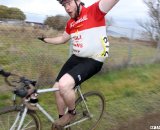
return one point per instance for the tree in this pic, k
(15, 13)
(11, 13)
(152, 27)
(3, 11)
(57, 22)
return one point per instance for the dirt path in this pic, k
(148, 122)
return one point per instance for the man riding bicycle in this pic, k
(87, 31)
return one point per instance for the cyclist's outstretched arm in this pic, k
(107, 5)
(58, 40)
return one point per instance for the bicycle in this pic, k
(90, 107)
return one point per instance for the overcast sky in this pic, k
(38, 10)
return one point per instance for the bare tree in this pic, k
(152, 26)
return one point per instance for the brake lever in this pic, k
(27, 81)
(16, 81)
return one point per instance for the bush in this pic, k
(57, 22)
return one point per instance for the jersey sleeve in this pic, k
(96, 12)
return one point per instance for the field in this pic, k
(129, 79)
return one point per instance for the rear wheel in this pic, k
(96, 105)
(8, 116)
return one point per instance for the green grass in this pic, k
(130, 93)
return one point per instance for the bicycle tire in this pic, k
(8, 116)
(96, 105)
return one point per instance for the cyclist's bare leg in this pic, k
(66, 85)
(59, 101)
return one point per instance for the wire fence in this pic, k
(130, 33)
(135, 44)
(22, 52)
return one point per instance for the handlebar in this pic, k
(27, 86)
(20, 79)
(27, 81)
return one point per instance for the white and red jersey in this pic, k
(88, 33)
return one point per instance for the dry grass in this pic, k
(21, 51)
(125, 52)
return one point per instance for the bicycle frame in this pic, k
(21, 115)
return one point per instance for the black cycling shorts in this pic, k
(80, 68)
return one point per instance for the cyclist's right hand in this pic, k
(42, 38)
(4, 73)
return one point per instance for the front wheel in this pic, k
(96, 104)
(9, 114)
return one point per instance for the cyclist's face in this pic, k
(70, 7)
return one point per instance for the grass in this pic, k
(130, 93)
(125, 52)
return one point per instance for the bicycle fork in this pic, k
(19, 119)
(84, 101)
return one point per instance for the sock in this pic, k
(60, 116)
(72, 112)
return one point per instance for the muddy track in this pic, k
(148, 122)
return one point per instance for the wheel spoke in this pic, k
(95, 103)
(25, 127)
(8, 116)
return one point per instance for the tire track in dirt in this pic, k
(147, 122)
